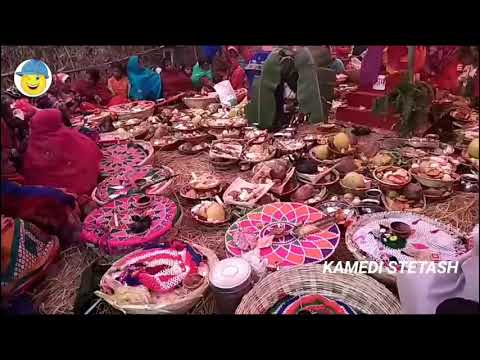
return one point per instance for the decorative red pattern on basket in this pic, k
(100, 228)
(288, 250)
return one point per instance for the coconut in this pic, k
(341, 141)
(215, 212)
(473, 149)
(354, 180)
(321, 152)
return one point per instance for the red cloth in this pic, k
(24, 105)
(175, 82)
(447, 79)
(118, 100)
(397, 58)
(60, 157)
(88, 91)
(238, 77)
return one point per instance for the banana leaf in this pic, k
(262, 109)
(308, 87)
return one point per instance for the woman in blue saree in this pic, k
(145, 84)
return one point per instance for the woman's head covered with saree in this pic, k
(145, 84)
(60, 157)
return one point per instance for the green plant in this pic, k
(411, 101)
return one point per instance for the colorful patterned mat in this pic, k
(100, 227)
(287, 250)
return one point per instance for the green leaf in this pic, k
(308, 88)
(262, 107)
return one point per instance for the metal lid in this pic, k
(229, 273)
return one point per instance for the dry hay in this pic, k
(460, 211)
(58, 292)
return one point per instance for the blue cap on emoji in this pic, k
(34, 67)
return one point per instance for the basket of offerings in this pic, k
(327, 129)
(191, 149)
(312, 290)
(165, 143)
(146, 178)
(355, 183)
(340, 209)
(258, 152)
(340, 145)
(322, 155)
(136, 109)
(410, 198)
(223, 123)
(194, 137)
(211, 213)
(202, 187)
(435, 171)
(278, 172)
(118, 135)
(245, 194)
(309, 195)
(95, 120)
(226, 149)
(221, 163)
(199, 101)
(254, 135)
(225, 133)
(136, 284)
(287, 234)
(185, 126)
(392, 237)
(391, 177)
(465, 115)
(316, 175)
(288, 146)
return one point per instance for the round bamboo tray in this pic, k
(199, 102)
(363, 293)
(124, 115)
(179, 306)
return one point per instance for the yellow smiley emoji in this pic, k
(33, 77)
(33, 85)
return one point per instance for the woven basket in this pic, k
(181, 306)
(359, 291)
(362, 256)
(199, 102)
(124, 115)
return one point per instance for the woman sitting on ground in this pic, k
(60, 157)
(202, 76)
(237, 75)
(174, 81)
(91, 93)
(118, 85)
(145, 84)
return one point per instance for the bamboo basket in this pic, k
(361, 292)
(124, 115)
(180, 306)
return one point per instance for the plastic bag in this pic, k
(226, 93)
(259, 265)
